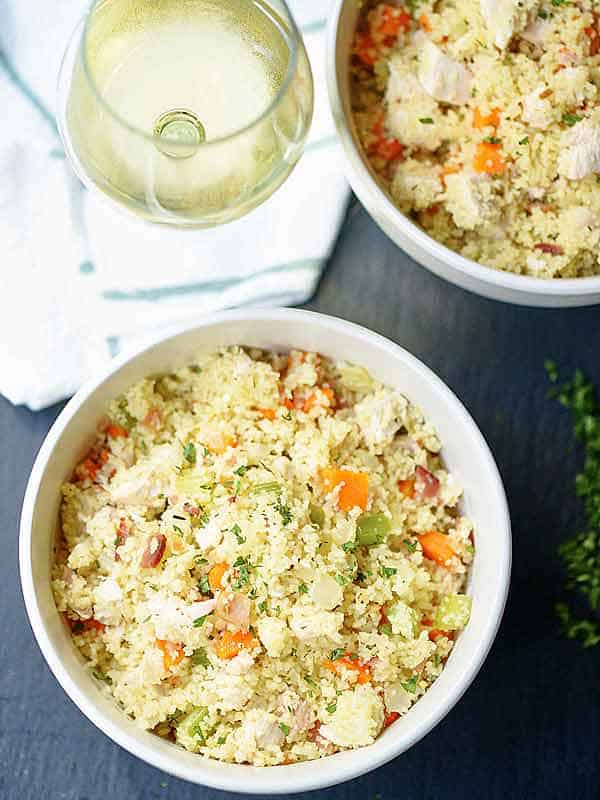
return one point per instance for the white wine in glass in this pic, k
(186, 112)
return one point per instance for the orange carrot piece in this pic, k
(393, 20)
(424, 23)
(407, 487)
(267, 413)
(436, 547)
(230, 644)
(215, 576)
(365, 49)
(483, 120)
(488, 158)
(172, 653)
(116, 431)
(346, 662)
(355, 489)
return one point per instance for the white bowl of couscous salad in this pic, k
(471, 130)
(265, 554)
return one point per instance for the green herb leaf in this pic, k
(189, 453)
(241, 471)
(262, 606)
(337, 653)
(341, 579)
(426, 120)
(303, 588)
(411, 684)
(411, 545)
(525, 140)
(199, 622)
(204, 585)
(199, 658)
(284, 511)
(387, 572)
(236, 530)
(331, 708)
(571, 119)
(285, 728)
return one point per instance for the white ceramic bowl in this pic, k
(465, 453)
(519, 289)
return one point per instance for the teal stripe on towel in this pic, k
(17, 81)
(208, 287)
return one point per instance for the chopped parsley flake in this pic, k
(571, 119)
(189, 453)
(341, 579)
(303, 588)
(199, 657)
(284, 728)
(426, 121)
(411, 545)
(524, 140)
(337, 653)
(262, 606)
(410, 685)
(285, 511)
(387, 572)
(331, 708)
(237, 532)
(199, 622)
(204, 585)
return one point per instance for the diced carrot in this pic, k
(365, 49)
(218, 442)
(436, 547)
(215, 576)
(484, 120)
(172, 653)
(391, 20)
(330, 395)
(230, 644)
(267, 413)
(346, 662)
(355, 488)
(488, 159)
(424, 23)
(91, 467)
(116, 431)
(388, 149)
(390, 717)
(309, 402)
(407, 487)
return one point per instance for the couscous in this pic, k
(482, 119)
(262, 557)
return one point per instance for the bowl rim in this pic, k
(551, 287)
(277, 779)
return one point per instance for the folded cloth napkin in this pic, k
(82, 280)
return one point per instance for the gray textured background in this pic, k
(529, 725)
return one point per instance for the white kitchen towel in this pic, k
(81, 280)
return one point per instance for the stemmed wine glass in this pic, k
(186, 112)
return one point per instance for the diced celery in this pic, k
(453, 612)
(267, 486)
(372, 529)
(356, 378)
(191, 730)
(317, 515)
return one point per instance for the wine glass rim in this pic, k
(295, 39)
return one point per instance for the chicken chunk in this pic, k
(580, 151)
(504, 18)
(441, 77)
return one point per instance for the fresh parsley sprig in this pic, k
(580, 555)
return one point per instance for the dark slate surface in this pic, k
(529, 726)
